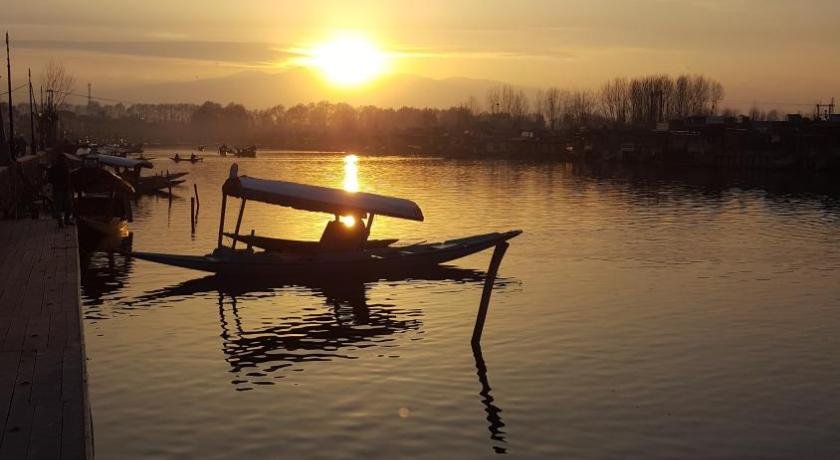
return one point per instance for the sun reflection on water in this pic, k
(351, 183)
(351, 173)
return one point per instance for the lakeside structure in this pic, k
(796, 143)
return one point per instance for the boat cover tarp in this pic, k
(89, 179)
(321, 199)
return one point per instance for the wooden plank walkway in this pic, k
(44, 411)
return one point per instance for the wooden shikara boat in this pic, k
(337, 253)
(130, 170)
(101, 200)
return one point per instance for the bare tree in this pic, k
(615, 100)
(57, 80)
(472, 105)
(494, 100)
(581, 107)
(551, 107)
(513, 101)
(716, 95)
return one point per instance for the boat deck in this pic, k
(44, 410)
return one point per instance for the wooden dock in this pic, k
(44, 411)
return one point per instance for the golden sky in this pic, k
(772, 52)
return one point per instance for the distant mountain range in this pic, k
(258, 90)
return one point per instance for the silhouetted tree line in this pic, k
(621, 102)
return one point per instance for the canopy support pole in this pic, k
(238, 224)
(369, 225)
(222, 219)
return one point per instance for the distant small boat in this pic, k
(342, 250)
(248, 152)
(191, 159)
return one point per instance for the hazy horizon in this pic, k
(771, 54)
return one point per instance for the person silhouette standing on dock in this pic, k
(59, 177)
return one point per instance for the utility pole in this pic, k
(12, 168)
(89, 101)
(827, 112)
(11, 114)
(2, 136)
(33, 144)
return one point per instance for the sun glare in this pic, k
(348, 60)
(351, 183)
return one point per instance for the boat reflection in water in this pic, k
(105, 269)
(350, 322)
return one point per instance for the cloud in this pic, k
(246, 53)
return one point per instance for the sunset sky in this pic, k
(771, 52)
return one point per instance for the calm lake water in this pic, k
(637, 316)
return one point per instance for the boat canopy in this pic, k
(94, 180)
(120, 162)
(320, 199)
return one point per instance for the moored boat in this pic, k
(247, 152)
(130, 169)
(342, 249)
(101, 201)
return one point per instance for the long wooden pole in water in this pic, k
(238, 224)
(495, 262)
(222, 219)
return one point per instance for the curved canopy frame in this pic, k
(320, 199)
(311, 198)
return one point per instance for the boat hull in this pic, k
(117, 227)
(296, 246)
(380, 261)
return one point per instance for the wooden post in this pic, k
(251, 240)
(222, 219)
(498, 254)
(192, 215)
(197, 203)
(238, 224)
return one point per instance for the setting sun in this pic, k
(348, 60)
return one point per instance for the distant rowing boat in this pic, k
(191, 159)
